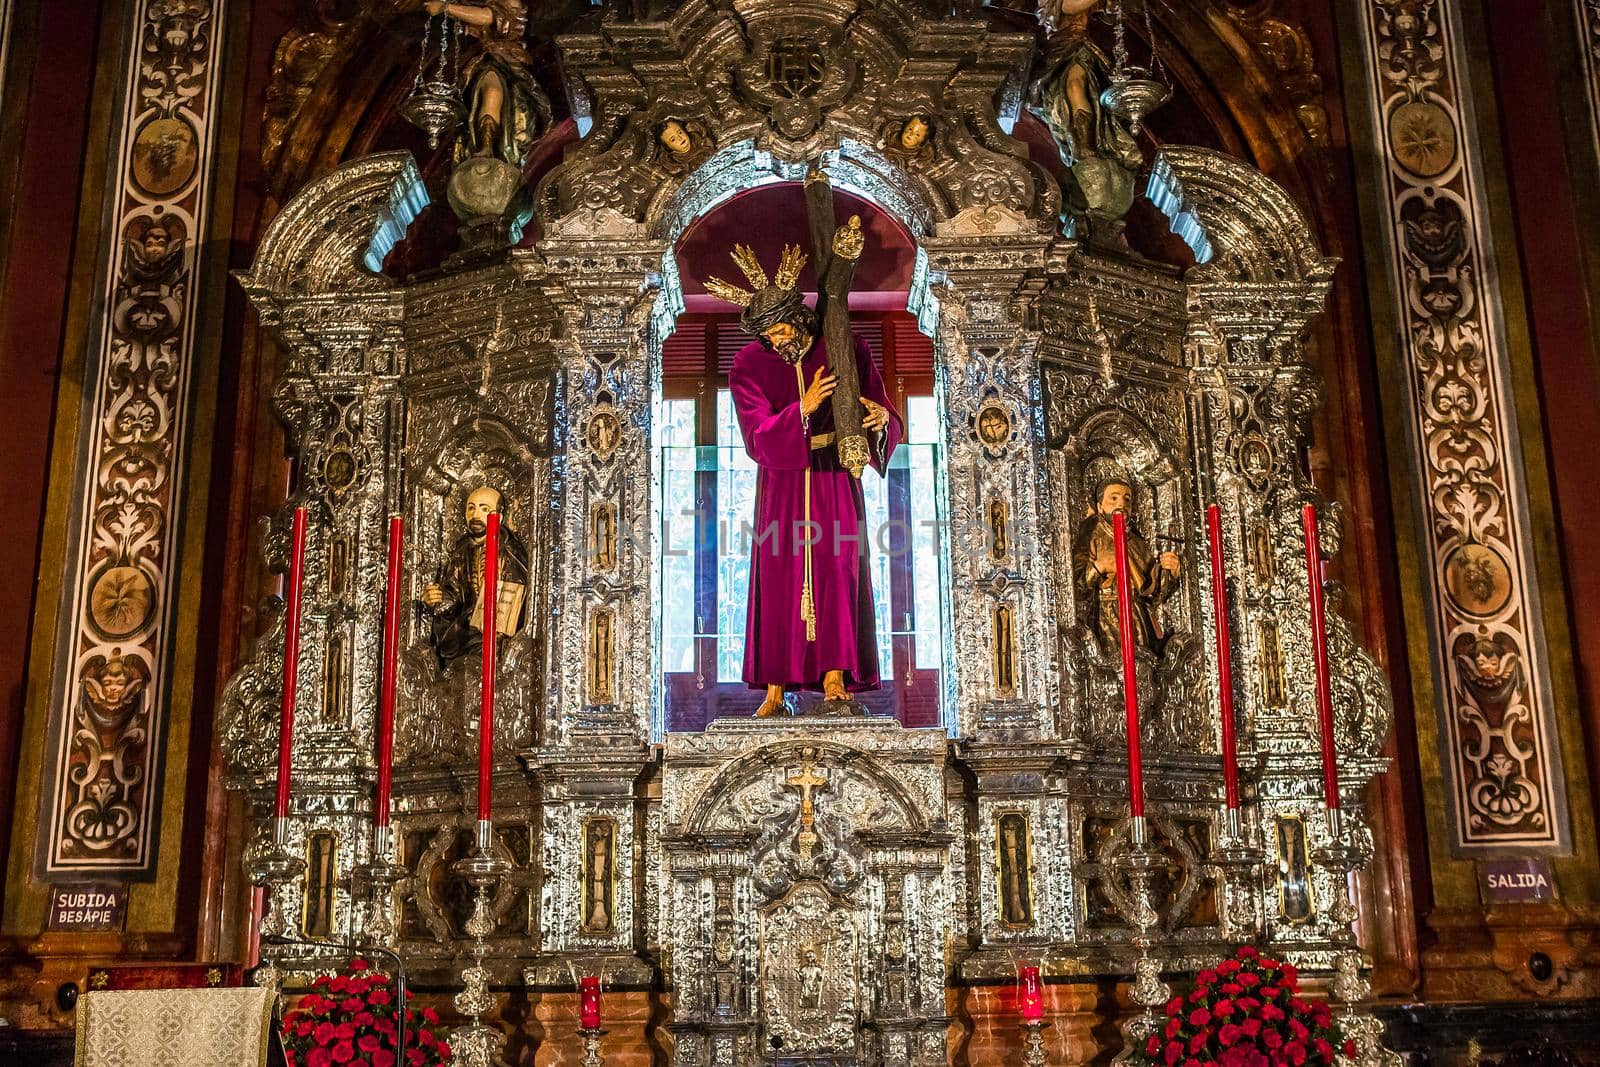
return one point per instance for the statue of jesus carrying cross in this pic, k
(813, 413)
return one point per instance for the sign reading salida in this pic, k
(1516, 880)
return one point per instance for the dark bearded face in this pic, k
(1115, 499)
(773, 309)
(790, 340)
(481, 503)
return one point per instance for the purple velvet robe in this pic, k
(776, 651)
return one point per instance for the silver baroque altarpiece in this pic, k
(806, 889)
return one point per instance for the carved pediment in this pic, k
(793, 82)
(756, 788)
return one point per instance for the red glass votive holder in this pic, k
(1030, 995)
(589, 1002)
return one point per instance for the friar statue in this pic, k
(1152, 578)
(810, 622)
(452, 601)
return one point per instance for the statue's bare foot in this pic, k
(833, 686)
(773, 705)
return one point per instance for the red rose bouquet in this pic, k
(1246, 1012)
(351, 1018)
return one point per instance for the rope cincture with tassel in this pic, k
(808, 604)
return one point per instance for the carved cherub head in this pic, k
(114, 678)
(907, 139)
(1486, 656)
(113, 685)
(675, 138)
(154, 250)
(914, 134)
(680, 144)
(154, 242)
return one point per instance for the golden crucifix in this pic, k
(807, 780)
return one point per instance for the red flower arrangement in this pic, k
(350, 1018)
(1246, 1012)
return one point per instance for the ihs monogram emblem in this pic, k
(795, 67)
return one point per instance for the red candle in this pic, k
(491, 633)
(1130, 679)
(291, 659)
(391, 659)
(1219, 602)
(589, 1002)
(1319, 649)
(1031, 995)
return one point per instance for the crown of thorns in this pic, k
(788, 274)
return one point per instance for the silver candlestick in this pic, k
(591, 1046)
(1238, 859)
(271, 866)
(1142, 862)
(477, 1044)
(1343, 857)
(377, 879)
(1234, 849)
(1033, 1042)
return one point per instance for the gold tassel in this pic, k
(808, 604)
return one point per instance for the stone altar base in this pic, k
(983, 1030)
(984, 1027)
(635, 1024)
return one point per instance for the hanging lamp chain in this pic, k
(1119, 51)
(1158, 69)
(422, 59)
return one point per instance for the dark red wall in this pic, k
(47, 101)
(1533, 81)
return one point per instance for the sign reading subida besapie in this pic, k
(87, 907)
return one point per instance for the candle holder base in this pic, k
(376, 881)
(481, 869)
(478, 1044)
(1240, 863)
(270, 865)
(267, 976)
(1033, 1043)
(1338, 855)
(591, 1046)
(1149, 992)
(1350, 989)
(1234, 854)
